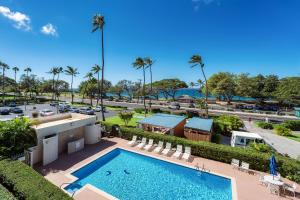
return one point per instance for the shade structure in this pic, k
(273, 165)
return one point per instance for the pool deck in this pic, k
(245, 186)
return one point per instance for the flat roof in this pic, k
(200, 124)
(61, 119)
(246, 134)
(163, 120)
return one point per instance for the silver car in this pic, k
(46, 112)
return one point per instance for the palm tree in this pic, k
(98, 23)
(59, 70)
(149, 64)
(4, 67)
(53, 71)
(71, 71)
(16, 69)
(27, 70)
(197, 60)
(96, 70)
(89, 76)
(140, 64)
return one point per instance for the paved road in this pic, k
(282, 144)
(243, 115)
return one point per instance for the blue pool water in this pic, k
(128, 175)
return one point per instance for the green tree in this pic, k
(96, 70)
(125, 116)
(149, 62)
(54, 72)
(4, 67)
(98, 24)
(73, 72)
(196, 60)
(16, 69)
(140, 64)
(288, 90)
(243, 85)
(223, 84)
(27, 70)
(169, 87)
(59, 70)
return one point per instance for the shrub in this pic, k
(282, 130)
(294, 125)
(139, 110)
(15, 136)
(155, 110)
(35, 114)
(260, 147)
(25, 183)
(265, 125)
(216, 138)
(165, 111)
(191, 113)
(224, 124)
(125, 116)
(178, 112)
(287, 167)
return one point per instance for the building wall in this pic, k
(179, 129)
(197, 135)
(69, 136)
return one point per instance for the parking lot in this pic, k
(27, 111)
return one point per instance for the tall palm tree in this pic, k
(59, 70)
(196, 60)
(96, 70)
(89, 76)
(53, 71)
(27, 70)
(4, 67)
(149, 62)
(139, 63)
(71, 71)
(16, 69)
(98, 24)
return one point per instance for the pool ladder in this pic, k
(202, 169)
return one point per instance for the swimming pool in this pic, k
(127, 175)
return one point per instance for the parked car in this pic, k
(55, 103)
(4, 111)
(86, 111)
(63, 108)
(46, 112)
(191, 105)
(74, 110)
(98, 109)
(12, 104)
(174, 105)
(16, 110)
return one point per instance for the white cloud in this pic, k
(205, 2)
(21, 20)
(49, 29)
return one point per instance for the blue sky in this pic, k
(254, 36)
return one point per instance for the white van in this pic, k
(242, 139)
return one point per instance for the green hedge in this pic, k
(265, 125)
(5, 194)
(25, 183)
(287, 167)
(294, 125)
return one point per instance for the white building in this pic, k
(64, 133)
(242, 139)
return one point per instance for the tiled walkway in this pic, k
(247, 186)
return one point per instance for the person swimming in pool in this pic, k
(126, 172)
(108, 173)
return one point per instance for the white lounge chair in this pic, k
(235, 163)
(149, 145)
(262, 180)
(159, 147)
(290, 188)
(244, 166)
(143, 143)
(133, 141)
(167, 149)
(187, 153)
(178, 152)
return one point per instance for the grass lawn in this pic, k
(5, 194)
(295, 136)
(133, 121)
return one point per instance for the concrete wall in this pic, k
(68, 136)
(50, 149)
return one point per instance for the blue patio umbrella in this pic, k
(273, 166)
